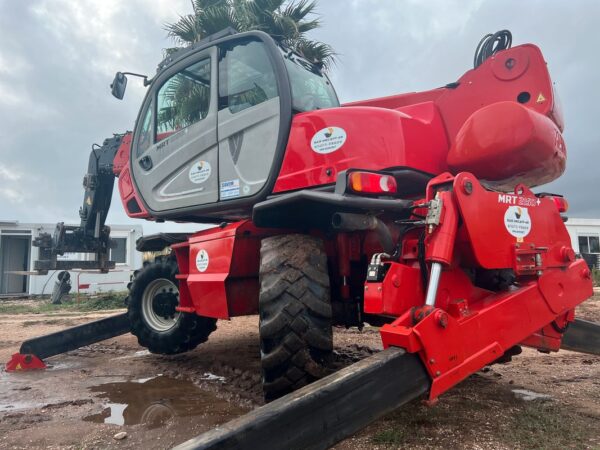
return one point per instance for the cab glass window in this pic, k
(183, 100)
(246, 76)
(310, 89)
(146, 133)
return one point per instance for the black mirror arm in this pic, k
(145, 77)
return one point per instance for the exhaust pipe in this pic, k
(361, 222)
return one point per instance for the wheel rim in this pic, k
(154, 316)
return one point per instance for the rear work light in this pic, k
(372, 183)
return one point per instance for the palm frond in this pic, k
(287, 21)
(216, 18)
(185, 30)
(316, 52)
(199, 6)
(266, 6)
(282, 28)
(298, 11)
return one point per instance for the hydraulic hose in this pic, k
(361, 222)
(491, 44)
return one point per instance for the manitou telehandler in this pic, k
(413, 213)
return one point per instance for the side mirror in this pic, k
(118, 85)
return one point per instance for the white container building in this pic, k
(18, 254)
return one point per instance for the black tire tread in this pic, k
(295, 313)
(191, 329)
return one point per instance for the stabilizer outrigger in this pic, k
(33, 351)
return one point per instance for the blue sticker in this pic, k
(230, 189)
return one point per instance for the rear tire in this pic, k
(153, 297)
(295, 325)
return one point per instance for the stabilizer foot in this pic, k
(20, 362)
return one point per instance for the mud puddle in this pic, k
(155, 401)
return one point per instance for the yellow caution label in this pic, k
(541, 98)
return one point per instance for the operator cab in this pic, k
(214, 125)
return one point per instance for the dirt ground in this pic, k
(90, 394)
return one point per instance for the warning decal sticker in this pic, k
(202, 260)
(517, 221)
(328, 140)
(230, 189)
(200, 172)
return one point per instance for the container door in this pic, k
(14, 256)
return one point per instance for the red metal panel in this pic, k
(508, 142)
(488, 216)
(490, 83)
(470, 327)
(127, 192)
(222, 269)
(376, 138)
(182, 253)
(122, 157)
(549, 338)
(401, 290)
(207, 287)
(455, 347)
(416, 130)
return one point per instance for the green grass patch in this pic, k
(15, 309)
(545, 425)
(481, 411)
(394, 436)
(409, 424)
(596, 275)
(107, 301)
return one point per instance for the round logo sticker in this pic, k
(202, 260)
(200, 172)
(517, 221)
(328, 140)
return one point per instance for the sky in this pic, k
(58, 57)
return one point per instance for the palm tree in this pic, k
(286, 21)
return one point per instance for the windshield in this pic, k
(310, 89)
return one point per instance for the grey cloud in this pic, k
(57, 59)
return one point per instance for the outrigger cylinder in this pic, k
(434, 281)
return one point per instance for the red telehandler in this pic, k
(413, 213)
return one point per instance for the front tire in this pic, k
(153, 319)
(296, 337)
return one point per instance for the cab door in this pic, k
(248, 119)
(175, 150)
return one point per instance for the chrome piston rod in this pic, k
(434, 281)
